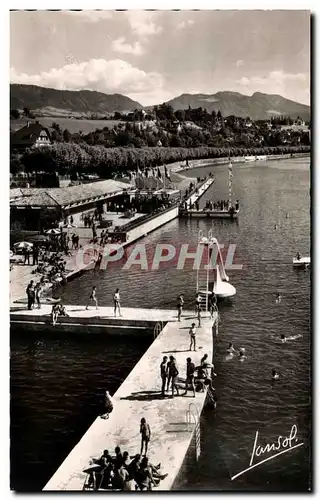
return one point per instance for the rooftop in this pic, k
(66, 196)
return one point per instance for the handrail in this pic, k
(145, 218)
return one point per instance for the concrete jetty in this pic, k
(173, 421)
(200, 192)
(80, 320)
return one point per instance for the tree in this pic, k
(67, 136)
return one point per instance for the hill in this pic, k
(81, 102)
(259, 106)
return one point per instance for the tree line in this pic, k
(75, 159)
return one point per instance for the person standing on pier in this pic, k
(93, 297)
(190, 377)
(116, 301)
(164, 374)
(199, 315)
(192, 333)
(180, 306)
(198, 300)
(145, 432)
(30, 295)
(173, 373)
(37, 290)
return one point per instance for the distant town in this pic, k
(144, 139)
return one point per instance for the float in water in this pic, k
(301, 261)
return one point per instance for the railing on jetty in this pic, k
(123, 230)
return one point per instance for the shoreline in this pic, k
(177, 167)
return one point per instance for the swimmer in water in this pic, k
(287, 216)
(275, 226)
(242, 355)
(278, 299)
(275, 375)
(231, 349)
(283, 337)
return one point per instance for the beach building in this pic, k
(35, 208)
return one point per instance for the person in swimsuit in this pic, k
(180, 306)
(145, 432)
(190, 377)
(93, 297)
(275, 375)
(231, 349)
(116, 302)
(192, 333)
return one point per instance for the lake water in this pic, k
(57, 383)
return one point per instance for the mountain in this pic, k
(259, 106)
(82, 101)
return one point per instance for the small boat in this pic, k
(302, 262)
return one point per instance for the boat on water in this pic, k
(301, 261)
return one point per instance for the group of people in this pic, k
(89, 219)
(242, 354)
(220, 205)
(197, 378)
(212, 306)
(52, 267)
(33, 292)
(116, 300)
(124, 473)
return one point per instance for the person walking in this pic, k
(30, 295)
(180, 306)
(93, 297)
(38, 290)
(190, 377)
(173, 373)
(145, 432)
(192, 333)
(116, 301)
(164, 374)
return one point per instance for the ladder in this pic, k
(158, 327)
(203, 271)
(191, 414)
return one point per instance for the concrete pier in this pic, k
(209, 214)
(200, 192)
(80, 320)
(139, 396)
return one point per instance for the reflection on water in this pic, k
(56, 385)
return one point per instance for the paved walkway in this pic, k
(139, 396)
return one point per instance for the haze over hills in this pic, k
(258, 106)
(82, 101)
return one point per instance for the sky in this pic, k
(153, 56)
